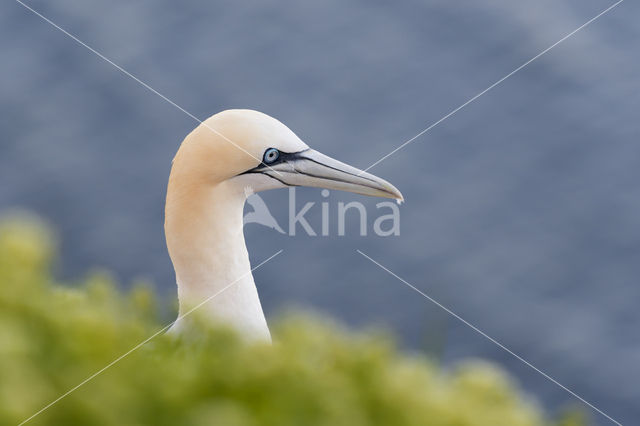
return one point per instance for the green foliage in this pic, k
(53, 336)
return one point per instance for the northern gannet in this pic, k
(215, 164)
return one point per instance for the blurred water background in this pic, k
(522, 210)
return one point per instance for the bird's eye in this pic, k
(271, 155)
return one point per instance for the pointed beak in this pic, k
(311, 168)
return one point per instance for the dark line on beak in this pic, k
(342, 181)
(333, 168)
(266, 174)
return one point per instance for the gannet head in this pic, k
(251, 149)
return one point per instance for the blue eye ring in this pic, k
(270, 156)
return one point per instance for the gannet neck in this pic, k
(203, 226)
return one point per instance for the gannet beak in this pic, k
(311, 168)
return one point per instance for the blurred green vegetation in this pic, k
(54, 335)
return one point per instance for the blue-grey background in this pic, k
(522, 210)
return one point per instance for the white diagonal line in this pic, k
(491, 339)
(494, 85)
(142, 83)
(136, 347)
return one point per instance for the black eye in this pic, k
(270, 155)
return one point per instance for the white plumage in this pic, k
(225, 154)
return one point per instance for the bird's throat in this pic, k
(203, 228)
